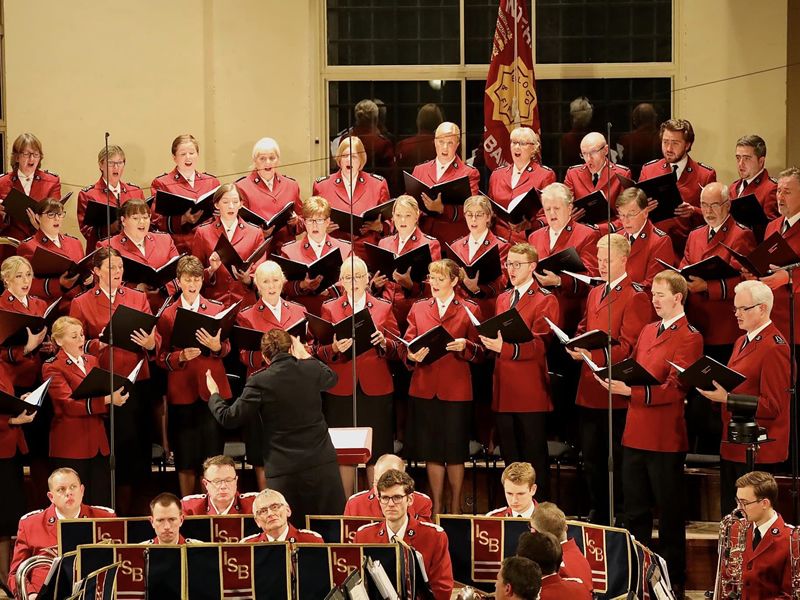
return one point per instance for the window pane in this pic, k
(603, 31)
(634, 107)
(480, 18)
(396, 142)
(393, 32)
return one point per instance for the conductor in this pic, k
(299, 457)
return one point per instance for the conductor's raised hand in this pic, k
(298, 349)
(212, 386)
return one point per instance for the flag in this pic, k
(510, 85)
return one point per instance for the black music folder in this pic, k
(245, 338)
(565, 260)
(435, 340)
(188, 323)
(13, 325)
(328, 265)
(386, 261)
(134, 271)
(11, 405)
(592, 281)
(342, 217)
(772, 251)
(663, 188)
(708, 269)
(231, 258)
(96, 216)
(49, 264)
(98, 382)
(124, 322)
(324, 330)
(173, 205)
(590, 340)
(627, 371)
(454, 191)
(17, 204)
(596, 207)
(748, 211)
(706, 370)
(509, 323)
(522, 207)
(279, 220)
(487, 265)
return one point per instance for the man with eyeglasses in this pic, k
(677, 137)
(272, 513)
(766, 569)
(108, 189)
(395, 494)
(222, 497)
(597, 172)
(762, 356)
(38, 530)
(521, 394)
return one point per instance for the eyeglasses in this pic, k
(30, 155)
(115, 163)
(54, 215)
(628, 216)
(275, 507)
(475, 215)
(220, 482)
(315, 221)
(745, 503)
(516, 143)
(738, 309)
(393, 499)
(359, 277)
(591, 153)
(516, 265)
(713, 205)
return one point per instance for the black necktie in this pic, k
(515, 298)
(660, 329)
(675, 170)
(631, 239)
(605, 292)
(744, 343)
(742, 186)
(756, 538)
(785, 226)
(595, 178)
(710, 234)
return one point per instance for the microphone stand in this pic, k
(112, 457)
(611, 515)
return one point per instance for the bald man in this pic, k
(596, 172)
(365, 504)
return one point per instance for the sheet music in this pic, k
(471, 316)
(222, 314)
(592, 365)
(35, 397)
(135, 373)
(381, 580)
(560, 334)
(358, 592)
(677, 368)
(351, 437)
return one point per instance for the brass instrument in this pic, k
(470, 593)
(731, 547)
(794, 561)
(26, 565)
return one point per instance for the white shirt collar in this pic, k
(523, 289)
(227, 509)
(747, 181)
(114, 190)
(443, 305)
(527, 513)
(111, 297)
(401, 243)
(554, 235)
(441, 169)
(281, 537)
(617, 281)
(26, 181)
(681, 165)
(230, 230)
(56, 240)
(792, 220)
(194, 306)
(720, 226)
(140, 245)
(764, 528)
(60, 515)
(400, 533)
(23, 300)
(473, 244)
(636, 235)
(360, 304)
(77, 360)
(190, 179)
(270, 183)
(668, 324)
(318, 247)
(752, 335)
(275, 310)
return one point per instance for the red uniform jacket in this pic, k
(78, 427)
(293, 536)
(505, 511)
(370, 190)
(261, 318)
(222, 285)
(267, 203)
(780, 306)
(449, 377)
(630, 312)
(655, 416)
(186, 381)
(301, 251)
(694, 178)
(521, 382)
(579, 180)
(650, 244)
(487, 292)
(175, 183)
(572, 293)
(372, 368)
(99, 193)
(366, 504)
(574, 564)
(49, 287)
(764, 187)
(38, 534)
(24, 369)
(554, 587)
(12, 440)
(500, 190)
(767, 571)
(92, 309)
(429, 540)
(199, 504)
(449, 225)
(765, 363)
(158, 250)
(401, 298)
(45, 185)
(712, 311)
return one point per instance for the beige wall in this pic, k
(228, 71)
(793, 86)
(720, 39)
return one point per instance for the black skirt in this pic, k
(194, 435)
(439, 430)
(12, 500)
(372, 411)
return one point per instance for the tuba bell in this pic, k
(731, 547)
(25, 566)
